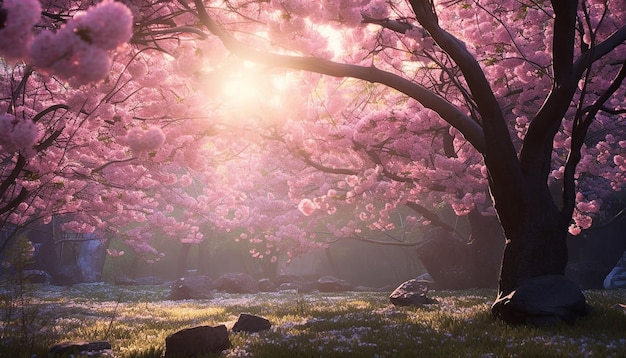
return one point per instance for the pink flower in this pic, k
(93, 65)
(16, 31)
(145, 141)
(106, 25)
(114, 253)
(16, 134)
(574, 229)
(307, 207)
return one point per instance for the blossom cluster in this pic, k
(78, 51)
(16, 134)
(19, 17)
(145, 141)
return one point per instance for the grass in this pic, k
(136, 321)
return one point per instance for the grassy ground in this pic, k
(136, 321)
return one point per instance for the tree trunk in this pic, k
(532, 287)
(541, 250)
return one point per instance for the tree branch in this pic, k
(505, 176)
(579, 133)
(448, 112)
(535, 155)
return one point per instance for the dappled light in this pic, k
(135, 319)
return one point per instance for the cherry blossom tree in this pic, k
(584, 46)
(281, 120)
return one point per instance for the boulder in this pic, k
(332, 284)
(251, 323)
(266, 285)
(123, 280)
(236, 282)
(197, 341)
(90, 349)
(411, 293)
(288, 278)
(541, 301)
(36, 276)
(191, 288)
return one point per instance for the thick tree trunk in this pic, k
(541, 248)
(532, 288)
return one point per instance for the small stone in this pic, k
(251, 323)
(197, 341)
(411, 293)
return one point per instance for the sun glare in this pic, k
(253, 92)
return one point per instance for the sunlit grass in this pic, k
(136, 321)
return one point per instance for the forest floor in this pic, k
(136, 321)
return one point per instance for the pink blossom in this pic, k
(16, 134)
(574, 229)
(115, 253)
(92, 64)
(106, 25)
(307, 207)
(16, 31)
(148, 140)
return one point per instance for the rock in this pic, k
(411, 293)
(426, 277)
(251, 323)
(191, 288)
(36, 276)
(288, 278)
(236, 282)
(266, 285)
(123, 280)
(91, 349)
(332, 284)
(542, 301)
(197, 341)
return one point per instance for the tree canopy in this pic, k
(294, 123)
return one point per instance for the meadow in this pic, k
(136, 321)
